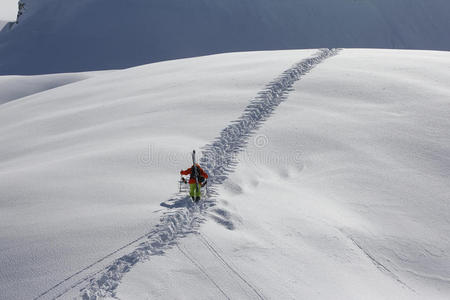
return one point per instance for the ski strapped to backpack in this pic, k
(195, 172)
(197, 179)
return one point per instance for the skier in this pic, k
(197, 180)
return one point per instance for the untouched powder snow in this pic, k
(15, 87)
(55, 36)
(340, 191)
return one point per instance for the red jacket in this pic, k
(189, 171)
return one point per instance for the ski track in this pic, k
(202, 269)
(379, 265)
(209, 245)
(100, 279)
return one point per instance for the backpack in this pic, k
(196, 174)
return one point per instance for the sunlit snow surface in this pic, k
(341, 194)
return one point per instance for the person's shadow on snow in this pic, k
(177, 203)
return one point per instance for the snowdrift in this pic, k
(69, 36)
(16, 87)
(340, 191)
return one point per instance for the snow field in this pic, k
(345, 198)
(340, 193)
(87, 164)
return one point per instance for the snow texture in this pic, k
(16, 87)
(218, 161)
(341, 193)
(85, 162)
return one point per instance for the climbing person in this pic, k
(197, 179)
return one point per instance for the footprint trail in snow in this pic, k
(101, 278)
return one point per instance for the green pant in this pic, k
(194, 192)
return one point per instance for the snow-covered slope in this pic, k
(87, 164)
(2, 24)
(340, 194)
(15, 87)
(71, 36)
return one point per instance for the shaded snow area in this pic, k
(55, 36)
(2, 24)
(329, 179)
(15, 87)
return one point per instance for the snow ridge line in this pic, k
(219, 161)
